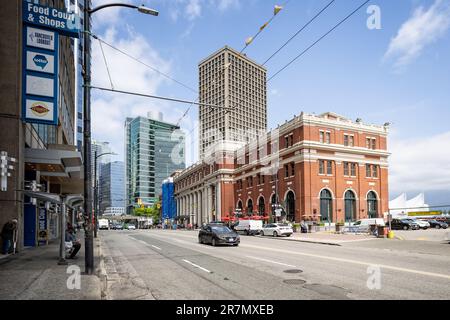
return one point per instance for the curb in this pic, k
(101, 272)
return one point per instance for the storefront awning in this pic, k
(59, 164)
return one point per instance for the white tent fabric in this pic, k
(400, 206)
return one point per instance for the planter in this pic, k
(339, 227)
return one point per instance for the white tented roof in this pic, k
(401, 205)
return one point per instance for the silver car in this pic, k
(277, 229)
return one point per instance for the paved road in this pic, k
(163, 264)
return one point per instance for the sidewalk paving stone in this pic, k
(34, 274)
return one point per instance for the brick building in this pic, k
(322, 167)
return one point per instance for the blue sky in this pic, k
(398, 74)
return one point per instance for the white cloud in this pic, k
(109, 110)
(224, 5)
(423, 28)
(193, 9)
(105, 16)
(420, 164)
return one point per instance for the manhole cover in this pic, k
(294, 281)
(293, 271)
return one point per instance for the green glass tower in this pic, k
(154, 149)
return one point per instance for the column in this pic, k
(195, 207)
(219, 201)
(200, 206)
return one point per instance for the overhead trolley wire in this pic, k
(318, 40)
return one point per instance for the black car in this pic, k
(437, 224)
(404, 224)
(218, 234)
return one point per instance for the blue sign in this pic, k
(40, 76)
(40, 61)
(43, 230)
(63, 22)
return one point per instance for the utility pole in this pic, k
(88, 212)
(88, 206)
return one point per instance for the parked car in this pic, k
(218, 234)
(131, 227)
(363, 225)
(250, 227)
(437, 224)
(404, 224)
(422, 224)
(277, 229)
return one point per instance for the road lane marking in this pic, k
(158, 248)
(425, 273)
(271, 261)
(197, 266)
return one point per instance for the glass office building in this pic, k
(112, 183)
(154, 149)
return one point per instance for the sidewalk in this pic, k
(34, 274)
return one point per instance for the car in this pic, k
(131, 227)
(250, 227)
(118, 226)
(422, 224)
(277, 229)
(404, 224)
(437, 224)
(216, 234)
(363, 225)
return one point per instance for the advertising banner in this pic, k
(63, 22)
(42, 227)
(40, 76)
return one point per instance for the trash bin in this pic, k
(382, 231)
(310, 228)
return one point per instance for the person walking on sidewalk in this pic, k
(8, 235)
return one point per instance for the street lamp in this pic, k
(89, 241)
(96, 189)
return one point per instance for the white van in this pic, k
(363, 224)
(103, 224)
(249, 226)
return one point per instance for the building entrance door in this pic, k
(29, 225)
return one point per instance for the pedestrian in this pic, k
(8, 235)
(70, 237)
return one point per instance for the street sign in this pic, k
(65, 23)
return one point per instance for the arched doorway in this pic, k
(239, 205)
(372, 205)
(273, 201)
(250, 206)
(350, 206)
(326, 205)
(261, 206)
(290, 206)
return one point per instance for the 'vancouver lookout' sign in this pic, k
(63, 22)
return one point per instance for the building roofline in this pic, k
(243, 56)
